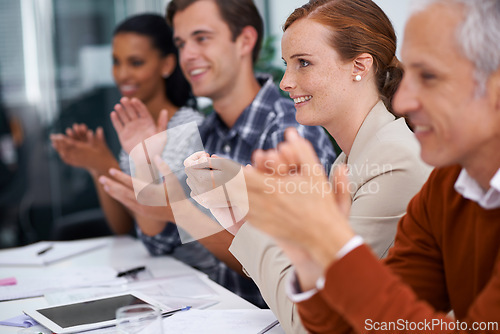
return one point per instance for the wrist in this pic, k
(96, 172)
(328, 244)
(307, 276)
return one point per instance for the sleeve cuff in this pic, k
(355, 242)
(293, 290)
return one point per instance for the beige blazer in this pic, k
(385, 172)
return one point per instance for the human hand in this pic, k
(196, 158)
(215, 182)
(149, 202)
(134, 124)
(299, 207)
(218, 185)
(80, 147)
(200, 178)
(78, 132)
(187, 215)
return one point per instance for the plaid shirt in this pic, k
(261, 126)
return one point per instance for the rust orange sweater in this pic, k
(445, 257)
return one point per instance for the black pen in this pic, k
(45, 250)
(169, 313)
(131, 271)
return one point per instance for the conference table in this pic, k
(119, 252)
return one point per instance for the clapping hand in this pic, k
(134, 123)
(292, 200)
(218, 185)
(83, 148)
(150, 203)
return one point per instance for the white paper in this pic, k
(59, 279)
(28, 255)
(246, 321)
(218, 321)
(158, 288)
(190, 286)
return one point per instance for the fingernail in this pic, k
(102, 180)
(112, 171)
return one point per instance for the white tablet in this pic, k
(88, 314)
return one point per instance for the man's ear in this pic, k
(169, 64)
(361, 65)
(493, 87)
(246, 40)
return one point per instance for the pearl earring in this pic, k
(358, 77)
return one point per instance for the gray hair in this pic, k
(478, 36)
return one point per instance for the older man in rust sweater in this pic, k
(446, 255)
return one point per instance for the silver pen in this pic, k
(269, 327)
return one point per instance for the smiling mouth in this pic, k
(421, 128)
(128, 90)
(197, 71)
(302, 99)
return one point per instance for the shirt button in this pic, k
(227, 149)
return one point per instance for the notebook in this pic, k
(46, 252)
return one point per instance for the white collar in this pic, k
(470, 189)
